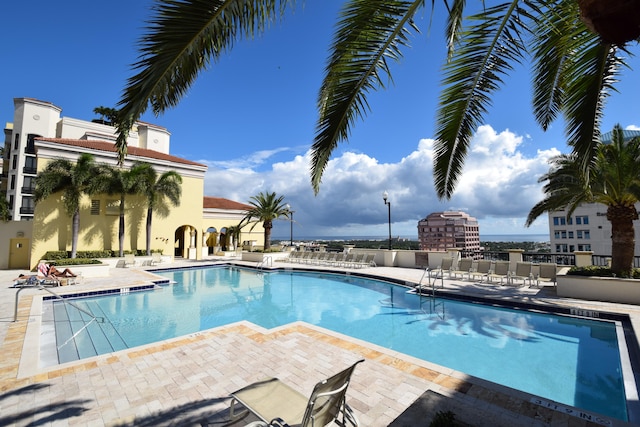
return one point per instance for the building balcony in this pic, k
(29, 170)
(26, 211)
(28, 190)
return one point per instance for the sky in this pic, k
(251, 118)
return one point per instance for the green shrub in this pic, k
(596, 271)
(75, 261)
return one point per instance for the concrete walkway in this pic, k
(186, 381)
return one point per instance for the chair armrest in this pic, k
(278, 422)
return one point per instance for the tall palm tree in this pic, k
(613, 180)
(573, 68)
(73, 180)
(123, 182)
(266, 207)
(156, 189)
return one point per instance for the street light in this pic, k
(385, 196)
(290, 222)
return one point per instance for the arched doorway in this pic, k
(185, 242)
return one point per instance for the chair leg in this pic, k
(234, 416)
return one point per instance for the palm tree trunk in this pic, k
(121, 228)
(268, 225)
(75, 230)
(148, 242)
(622, 238)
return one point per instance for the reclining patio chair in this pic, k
(547, 273)
(500, 271)
(482, 270)
(278, 405)
(463, 268)
(523, 272)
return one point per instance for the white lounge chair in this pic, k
(445, 266)
(500, 271)
(482, 270)
(523, 272)
(547, 273)
(464, 268)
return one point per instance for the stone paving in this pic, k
(186, 381)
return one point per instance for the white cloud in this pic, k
(498, 186)
(632, 127)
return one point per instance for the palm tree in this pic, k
(73, 180)
(574, 68)
(266, 208)
(123, 182)
(155, 189)
(613, 180)
(5, 211)
(234, 233)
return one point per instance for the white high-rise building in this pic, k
(32, 119)
(588, 228)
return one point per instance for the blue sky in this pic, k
(251, 117)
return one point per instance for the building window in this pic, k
(13, 182)
(29, 184)
(14, 163)
(30, 165)
(587, 234)
(27, 205)
(31, 148)
(563, 234)
(16, 142)
(559, 220)
(571, 234)
(95, 207)
(582, 220)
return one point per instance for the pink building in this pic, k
(440, 231)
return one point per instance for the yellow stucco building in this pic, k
(196, 228)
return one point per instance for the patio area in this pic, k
(186, 381)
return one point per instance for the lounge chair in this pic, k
(368, 261)
(445, 266)
(523, 272)
(129, 259)
(482, 270)
(500, 271)
(156, 258)
(464, 268)
(277, 404)
(348, 260)
(547, 273)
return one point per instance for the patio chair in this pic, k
(368, 261)
(547, 273)
(523, 272)
(445, 266)
(156, 258)
(464, 268)
(129, 259)
(500, 271)
(482, 270)
(277, 404)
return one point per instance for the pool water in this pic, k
(570, 360)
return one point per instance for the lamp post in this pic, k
(290, 223)
(385, 196)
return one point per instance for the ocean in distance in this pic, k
(483, 238)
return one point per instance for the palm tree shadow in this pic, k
(45, 414)
(192, 414)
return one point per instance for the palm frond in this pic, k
(369, 33)
(488, 50)
(180, 41)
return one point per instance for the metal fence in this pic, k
(535, 257)
(605, 260)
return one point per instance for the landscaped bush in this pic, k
(75, 261)
(596, 271)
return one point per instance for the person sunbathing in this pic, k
(53, 271)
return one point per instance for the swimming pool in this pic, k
(570, 360)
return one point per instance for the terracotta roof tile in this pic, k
(107, 146)
(220, 203)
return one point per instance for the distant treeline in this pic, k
(414, 245)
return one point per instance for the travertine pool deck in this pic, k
(186, 381)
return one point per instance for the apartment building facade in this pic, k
(39, 135)
(440, 231)
(587, 228)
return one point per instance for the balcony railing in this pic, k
(29, 170)
(26, 211)
(604, 261)
(535, 257)
(28, 190)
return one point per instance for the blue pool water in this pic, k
(570, 360)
